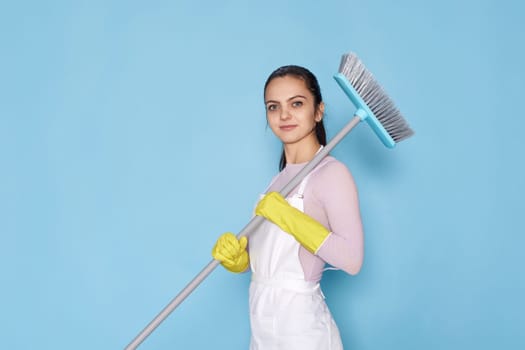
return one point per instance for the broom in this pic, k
(373, 106)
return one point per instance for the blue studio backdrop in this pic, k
(133, 133)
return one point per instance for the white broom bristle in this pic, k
(375, 98)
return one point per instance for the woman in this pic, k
(318, 223)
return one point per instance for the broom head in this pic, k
(373, 104)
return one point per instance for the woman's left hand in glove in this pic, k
(305, 229)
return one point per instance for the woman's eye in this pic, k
(297, 103)
(271, 107)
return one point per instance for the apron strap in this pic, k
(302, 186)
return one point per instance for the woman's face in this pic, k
(291, 110)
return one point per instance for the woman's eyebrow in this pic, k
(289, 99)
(296, 96)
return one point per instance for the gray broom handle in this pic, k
(249, 228)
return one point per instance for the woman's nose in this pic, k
(285, 114)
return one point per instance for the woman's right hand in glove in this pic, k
(231, 252)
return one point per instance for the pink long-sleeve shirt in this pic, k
(331, 198)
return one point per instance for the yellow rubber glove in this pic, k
(306, 230)
(231, 252)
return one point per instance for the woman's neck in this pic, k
(301, 152)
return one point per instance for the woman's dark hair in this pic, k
(313, 86)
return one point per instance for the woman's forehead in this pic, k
(282, 88)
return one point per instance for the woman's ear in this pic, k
(319, 112)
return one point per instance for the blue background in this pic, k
(132, 134)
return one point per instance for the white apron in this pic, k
(286, 312)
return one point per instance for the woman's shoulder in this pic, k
(331, 167)
(332, 180)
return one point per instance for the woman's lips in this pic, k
(287, 127)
